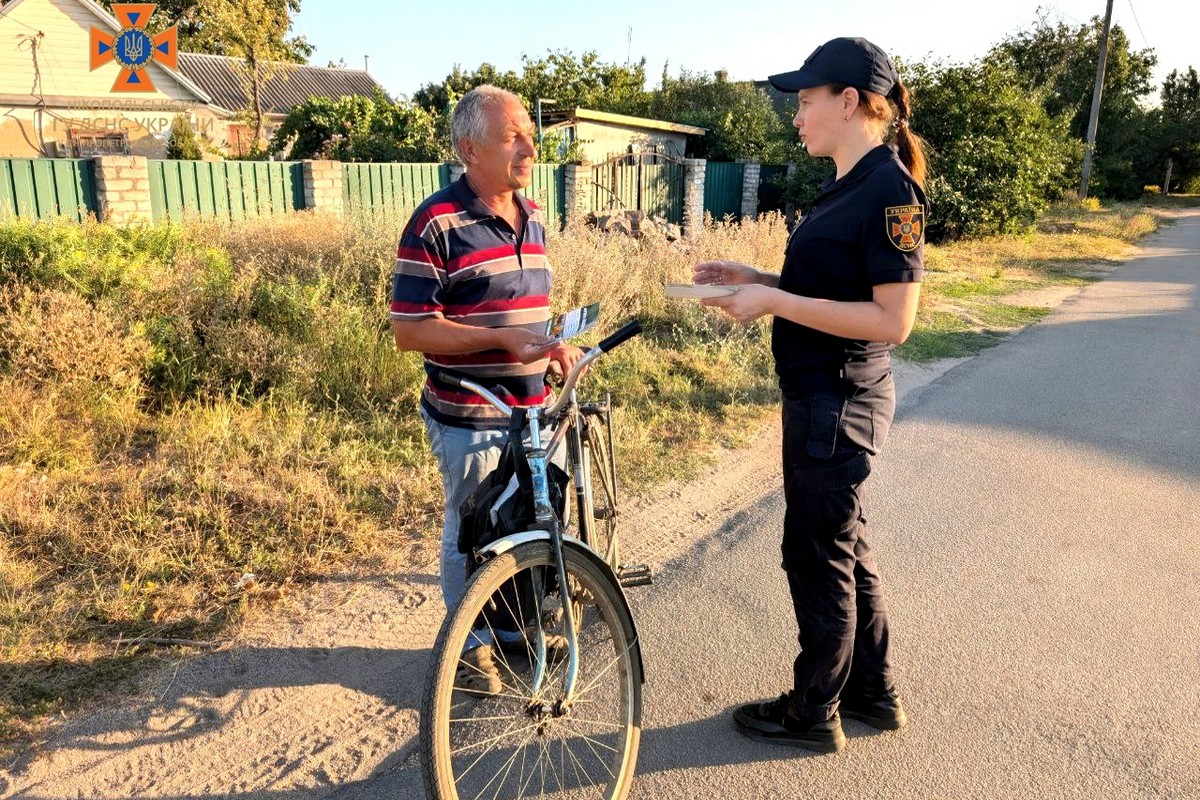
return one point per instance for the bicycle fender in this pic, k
(507, 543)
(503, 545)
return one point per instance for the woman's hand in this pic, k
(729, 273)
(747, 304)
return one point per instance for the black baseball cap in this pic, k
(850, 61)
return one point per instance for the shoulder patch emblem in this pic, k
(905, 226)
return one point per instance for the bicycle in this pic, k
(560, 726)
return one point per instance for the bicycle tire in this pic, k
(610, 674)
(603, 495)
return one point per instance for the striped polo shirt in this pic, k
(460, 261)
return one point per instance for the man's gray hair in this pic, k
(469, 119)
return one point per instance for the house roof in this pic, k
(559, 116)
(290, 85)
(111, 23)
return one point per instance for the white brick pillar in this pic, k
(457, 170)
(751, 176)
(577, 186)
(323, 186)
(123, 189)
(693, 196)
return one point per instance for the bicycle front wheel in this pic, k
(521, 741)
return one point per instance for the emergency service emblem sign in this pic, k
(905, 226)
(133, 49)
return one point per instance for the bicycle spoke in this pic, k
(613, 725)
(511, 760)
(578, 765)
(498, 650)
(475, 697)
(459, 778)
(494, 739)
(524, 753)
(599, 759)
(468, 692)
(479, 719)
(550, 762)
(616, 659)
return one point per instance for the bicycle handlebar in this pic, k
(627, 331)
(630, 329)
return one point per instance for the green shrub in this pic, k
(91, 259)
(997, 159)
(183, 142)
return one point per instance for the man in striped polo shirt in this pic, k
(471, 290)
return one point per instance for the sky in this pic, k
(411, 43)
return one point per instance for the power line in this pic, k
(1139, 24)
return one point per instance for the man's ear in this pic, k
(466, 149)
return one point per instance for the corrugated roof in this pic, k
(557, 116)
(290, 85)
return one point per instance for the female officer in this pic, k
(847, 294)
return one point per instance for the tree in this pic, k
(1177, 126)
(739, 118)
(183, 142)
(1059, 63)
(997, 157)
(362, 129)
(586, 82)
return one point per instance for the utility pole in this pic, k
(1094, 119)
(537, 103)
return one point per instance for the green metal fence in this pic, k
(723, 189)
(549, 191)
(771, 188)
(44, 188)
(233, 190)
(656, 189)
(390, 188)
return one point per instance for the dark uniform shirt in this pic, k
(865, 229)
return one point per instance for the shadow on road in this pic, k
(1115, 370)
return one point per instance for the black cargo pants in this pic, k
(831, 428)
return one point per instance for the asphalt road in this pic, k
(1036, 516)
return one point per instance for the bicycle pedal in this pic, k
(630, 575)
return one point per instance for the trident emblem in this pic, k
(133, 49)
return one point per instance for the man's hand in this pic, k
(565, 356)
(729, 273)
(526, 345)
(747, 304)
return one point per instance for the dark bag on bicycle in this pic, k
(501, 505)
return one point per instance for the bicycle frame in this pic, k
(549, 526)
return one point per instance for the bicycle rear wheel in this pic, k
(602, 490)
(520, 743)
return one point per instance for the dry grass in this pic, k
(182, 405)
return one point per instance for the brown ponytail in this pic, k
(907, 144)
(893, 112)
